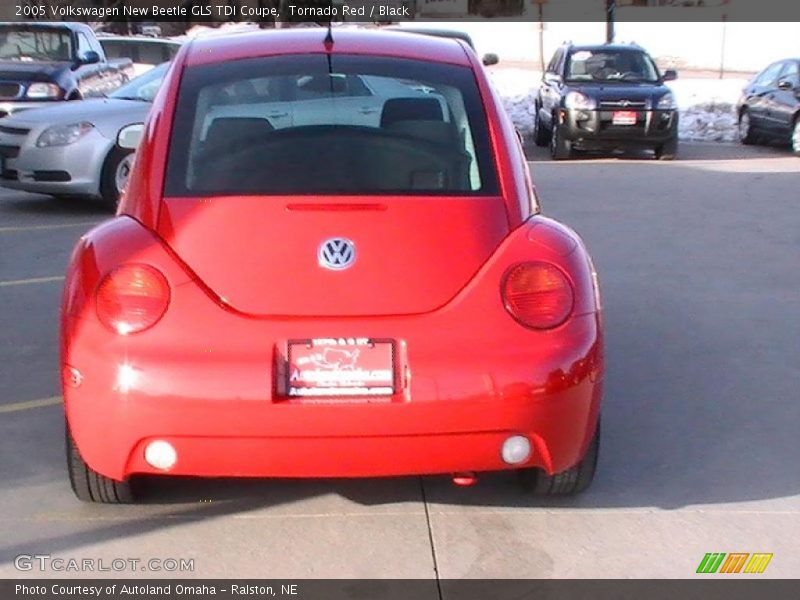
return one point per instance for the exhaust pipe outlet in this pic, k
(464, 479)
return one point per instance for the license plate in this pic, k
(340, 367)
(624, 117)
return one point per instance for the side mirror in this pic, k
(89, 58)
(553, 78)
(785, 84)
(130, 136)
(670, 75)
(490, 59)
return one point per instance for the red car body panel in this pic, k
(207, 376)
(199, 232)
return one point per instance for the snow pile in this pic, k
(708, 122)
(517, 88)
(707, 106)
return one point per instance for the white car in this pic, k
(145, 52)
(305, 100)
(69, 149)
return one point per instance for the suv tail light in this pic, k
(537, 294)
(132, 298)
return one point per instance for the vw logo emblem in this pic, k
(624, 103)
(336, 254)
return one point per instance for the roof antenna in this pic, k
(328, 43)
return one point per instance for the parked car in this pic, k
(145, 52)
(149, 28)
(69, 149)
(45, 62)
(606, 96)
(769, 107)
(488, 59)
(329, 298)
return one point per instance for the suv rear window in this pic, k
(335, 124)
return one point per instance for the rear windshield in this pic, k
(329, 124)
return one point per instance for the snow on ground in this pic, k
(707, 106)
(517, 88)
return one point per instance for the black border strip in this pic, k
(734, 587)
(199, 11)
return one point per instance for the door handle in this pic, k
(277, 115)
(366, 110)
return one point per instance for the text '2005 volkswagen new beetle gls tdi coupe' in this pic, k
(329, 262)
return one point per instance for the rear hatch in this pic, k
(260, 255)
(273, 156)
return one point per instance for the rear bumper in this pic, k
(473, 446)
(594, 128)
(209, 380)
(222, 415)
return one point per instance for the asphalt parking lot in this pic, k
(698, 260)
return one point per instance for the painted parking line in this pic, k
(14, 228)
(11, 282)
(29, 404)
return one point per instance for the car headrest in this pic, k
(439, 132)
(230, 130)
(411, 109)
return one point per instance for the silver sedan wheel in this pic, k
(796, 137)
(122, 172)
(744, 126)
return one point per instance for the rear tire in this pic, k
(560, 149)
(91, 486)
(541, 135)
(746, 135)
(117, 162)
(569, 482)
(668, 150)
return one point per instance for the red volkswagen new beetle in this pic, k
(330, 262)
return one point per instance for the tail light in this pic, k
(132, 298)
(537, 294)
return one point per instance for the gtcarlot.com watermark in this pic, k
(61, 564)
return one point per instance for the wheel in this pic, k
(89, 485)
(569, 482)
(559, 147)
(541, 135)
(746, 135)
(114, 176)
(796, 136)
(668, 150)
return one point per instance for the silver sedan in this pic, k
(70, 149)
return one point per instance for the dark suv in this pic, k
(606, 96)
